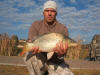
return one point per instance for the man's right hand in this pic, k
(35, 50)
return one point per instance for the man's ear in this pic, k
(43, 12)
(56, 14)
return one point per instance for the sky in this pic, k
(81, 17)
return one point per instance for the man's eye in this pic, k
(47, 10)
(50, 10)
(53, 11)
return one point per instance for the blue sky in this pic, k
(82, 17)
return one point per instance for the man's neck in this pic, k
(51, 23)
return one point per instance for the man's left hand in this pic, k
(61, 48)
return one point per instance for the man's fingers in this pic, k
(61, 45)
(57, 47)
(61, 48)
(55, 50)
(65, 47)
(39, 51)
(36, 50)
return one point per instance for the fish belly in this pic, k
(46, 45)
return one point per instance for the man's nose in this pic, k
(49, 12)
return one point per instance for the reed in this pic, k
(78, 52)
(8, 46)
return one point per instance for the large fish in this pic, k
(47, 43)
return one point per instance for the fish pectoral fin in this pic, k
(49, 55)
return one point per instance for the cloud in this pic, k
(73, 1)
(25, 3)
(9, 13)
(81, 19)
(19, 14)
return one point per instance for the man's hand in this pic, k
(35, 50)
(61, 48)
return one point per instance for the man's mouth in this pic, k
(49, 17)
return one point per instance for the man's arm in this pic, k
(61, 48)
(65, 30)
(33, 31)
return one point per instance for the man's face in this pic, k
(49, 15)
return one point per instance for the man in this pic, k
(36, 60)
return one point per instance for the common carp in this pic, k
(47, 43)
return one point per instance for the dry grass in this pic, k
(78, 52)
(16, 70)
(85, 72)
(13, 70)
(8, 46)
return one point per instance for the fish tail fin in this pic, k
(24, 50)
(22, 53)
